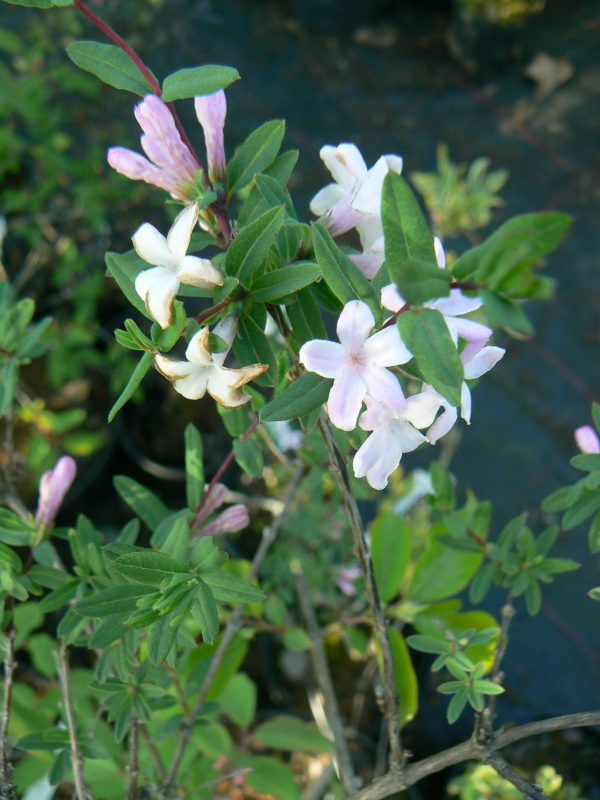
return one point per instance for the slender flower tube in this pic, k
(231, 520)
(358, 364)
(53, 487)
(211, 111)
(169, 164)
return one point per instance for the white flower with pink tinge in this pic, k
(170, 164)
(452, 307)
(211, 111)
(158, 287)
(54, 485)
(358, 364)
(476, 361)
(203, 371)
(231, 520)
(393, 434)
(587, 440)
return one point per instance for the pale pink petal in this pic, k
(211, 111)
(391, 298)
(383, 385)
(215, 499)
(472, 331)
(408, 437)
(169, 161)
(157, 122)
(323, 357)
(443, 424)
(151, 246)
(137, 168)
(345, 163)
(587, 439)
(354, 325)
(376, 415)
(483, 362)
(178, 238)
(326, 199)
(157, 287)
(233, 519)
(198, 349)
(200, 272)
(455, 304)
(368, 263)
(345, 400)
(342, 217)
(386, 349)
(465, 403)
(440, 255)
(54, 485)
(372, 451)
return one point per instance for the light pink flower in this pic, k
(475, 364)
(358, 364)
(211, 111)
(587, 439)
(231, 520)
(393, 433)
(53, 487)
(170, 164)
(346, 578)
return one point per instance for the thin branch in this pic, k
(134, 766)
(161, 772)
(320, 665)
(6, 788)
(390, 697)
(471, 750)
(81, 790)
(235, 621)
(504, 769)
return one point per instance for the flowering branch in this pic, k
(387, 671)
(81, 790)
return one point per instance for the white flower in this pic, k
(394, 433)
(204, 372)
(158, 286)
(358, 364)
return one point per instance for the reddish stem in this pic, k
(210, 312)
(222, 470)
(392, 320)
(468, 287)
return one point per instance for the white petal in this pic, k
(151, 246)
(370, 232)
(395, 163)
(224, 385)
(383, 385)
(456, 304)
(408, 437)
(346, 164)
(442, 424)
(198, 350)
(323, 357)
(157, 287)
(376, 415)
(472, 331)
(354, 325)
(371, 451)
(345, 400)
(391, 298)
(483, 362)
(326, 199)
(172, 370)
(178, 238)
(465, 403)
(194, 386)
(386, 349)
(440, 255)
(367, 200)
(226, 330)
(200, 272)
(421, 408)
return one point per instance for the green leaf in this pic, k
(426, 335)
(504, 313)
(456, 705)
(284, 281)
(269, 776)
(391, 545)
(289, 733)
(587, 505)
(124, 268)
(252, 345)
(208, 79)
(409, 253)
(149, 567)
(135, 379)
(283, 166)
(110, 602)
(9, 372)
(405, 677)
(586, 462)
(340, 274)
(205, 610)
(249, 457)
(238, 700)
(194, 466)
(40, 3)
(142, 501)
(255, 154)
(296, 640)
(594, 535)
(307, 393)
(13, 530)
(306, 319)
(110, 64)
(161, 637)
(109, 631)
(441, 572)
(231, 589)
(248, 250)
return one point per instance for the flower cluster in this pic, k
(362, 363)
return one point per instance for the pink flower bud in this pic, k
(231, 520)
(211, 111)
(587, 439)
(53, 487)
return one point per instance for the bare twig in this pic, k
(161, 772)
(320, 665)
(471, 750)
(134, 766)
(390, 697)
(504, 769)
(81, 790)
(7, 791)
(232, 627)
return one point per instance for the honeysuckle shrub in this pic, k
(130, 656)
